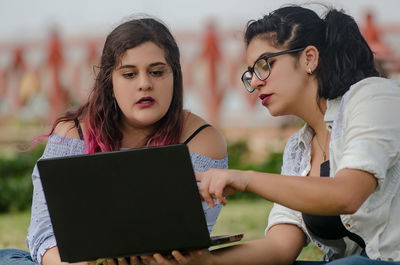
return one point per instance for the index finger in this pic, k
(205, 192)
(110, 262)
(122, 261)
(179, 257)
(160, 259)
(135, 260)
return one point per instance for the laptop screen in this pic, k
(124, 203)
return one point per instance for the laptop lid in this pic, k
(124, 203)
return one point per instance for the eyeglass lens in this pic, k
(246, 79)
(262, 70)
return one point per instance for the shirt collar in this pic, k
(332, 110)
(305, 135)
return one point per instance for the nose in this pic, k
(256, 83)
(144, 82)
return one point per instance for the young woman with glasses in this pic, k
(340, 182)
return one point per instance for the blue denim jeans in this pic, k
(15, 257)
(352, 260)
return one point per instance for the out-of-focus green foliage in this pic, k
(15, 179)
(16, 172)
(238, 151)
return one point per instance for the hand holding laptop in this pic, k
(149, 259)
(118, 261)
(201, 257)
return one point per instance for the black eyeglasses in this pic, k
(262, 68)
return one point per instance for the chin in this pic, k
(274, 112)
(143, 121)
(279, 109)
(149, 122)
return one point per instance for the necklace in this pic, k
(320, 146)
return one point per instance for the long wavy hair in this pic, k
(101, 116)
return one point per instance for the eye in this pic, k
(261, 64)
(157, 73)
(129, 75)
(271, 63)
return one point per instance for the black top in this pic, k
(78, 126)
(329, 227)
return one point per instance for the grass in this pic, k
(13, 229)
(238, 216)
(250, 217)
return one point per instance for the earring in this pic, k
(309, 71)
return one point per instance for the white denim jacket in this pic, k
(365, 135)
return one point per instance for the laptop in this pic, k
(125, 203)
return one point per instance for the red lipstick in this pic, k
(264, 98)
(145, 102)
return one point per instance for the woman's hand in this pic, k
(217, 183)
(196, 257)
(144, 260)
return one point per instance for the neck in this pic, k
(317, 123)
(313, 115)
(308, 109)
(134, 136)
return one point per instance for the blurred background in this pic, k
(48, 50)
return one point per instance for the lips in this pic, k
(264, 98)
(145, 100)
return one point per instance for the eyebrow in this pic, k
(264, 54)
(259, 57)
(134, 66)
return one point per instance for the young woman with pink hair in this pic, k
(136, 101)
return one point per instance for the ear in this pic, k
(311, 57)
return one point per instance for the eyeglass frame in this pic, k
(265, 57)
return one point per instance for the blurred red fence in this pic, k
(41, 78)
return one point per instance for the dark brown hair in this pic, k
(101, 116)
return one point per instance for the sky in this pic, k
(21, 19)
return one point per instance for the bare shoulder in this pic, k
(67, 129)
(208, 142)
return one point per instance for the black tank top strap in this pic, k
(78, 126)
(196, 132)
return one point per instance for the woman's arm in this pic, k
(41, 236)
(52, 257)
(281, 246)
(343, 194)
